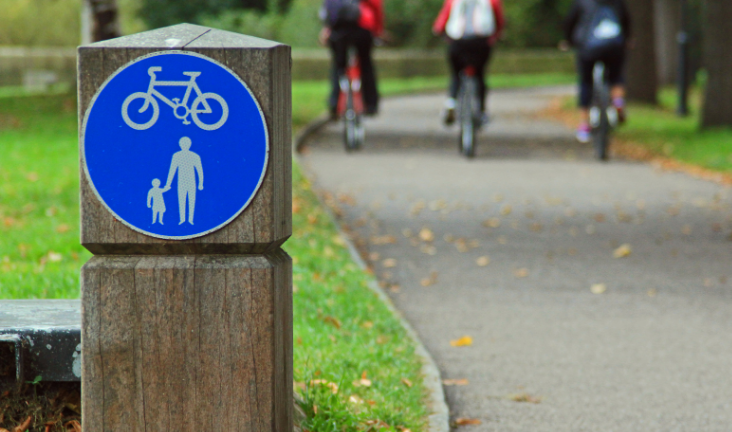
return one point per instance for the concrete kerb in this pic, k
(439, 419)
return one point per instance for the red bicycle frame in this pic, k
(353, 73)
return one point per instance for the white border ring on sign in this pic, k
(82, 138)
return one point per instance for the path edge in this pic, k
(439, 419)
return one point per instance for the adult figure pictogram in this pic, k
(186, 163)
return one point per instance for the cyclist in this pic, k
(353, 23)
(600, 32)
(471, 27)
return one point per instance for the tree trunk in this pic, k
(718, 63)
(105, 20)
(642, 76)
(668, 24)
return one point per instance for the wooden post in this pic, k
(191, 331)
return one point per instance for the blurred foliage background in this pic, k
(531, 23)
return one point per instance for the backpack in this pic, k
(604, 30)
(342, 12)
(471, 19)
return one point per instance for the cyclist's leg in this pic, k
(364, 43)
(615, 62)
(455, 58)
(585, 66)
(339, 48)
(482, 56)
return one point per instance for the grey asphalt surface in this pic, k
(653, 352)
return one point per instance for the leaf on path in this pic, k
(431, 280)
(506, 210)
(502, 240)
(483, 261)
(464, 421)
(347, 199)
(570, 212)
(652, 292)
(521, 273)
(406, 382)
(448, 238)
(428, 249)
(417, 208)
(599, 218)
(622, 251)
(455, 382)
(462, 342)
(427, 235)
(407, 233)
(498, 198)
(590, 229)
(492, 223)
(524, 397)
(438, 205)
(686, 230)
(382, 240)
(536, 227)
(598, 288)
(374, 256)
(389, 263)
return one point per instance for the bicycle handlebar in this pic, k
(154, 69)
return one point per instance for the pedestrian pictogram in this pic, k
(145, 162)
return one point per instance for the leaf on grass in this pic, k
(427, 235)
(406, 382)
(367, 325)
(331, 385)
(24, 426)
(312, 219)
(455, 382)
(524, 397)
(62, 228)
(464, 421)
(463, 341)
(73, 425)
(377, 424)
(623, 251)
(355, 399)
(598, 288)
(335, 322)
(483, 261)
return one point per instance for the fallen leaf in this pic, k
(62, 228)
(365, 382)
(498, 198)
(374, 256)
(382, 240)
(406, 382)
(599, 288)
(32, 177)
(464, 421)
(483, 261)
(463, 341)
(652, 292)
(335, 322)
(73, 425)
(407, 233)
(431, 280)
(536, 227)
(367, 325)
(502, 240)
(521, 273)
(331, 385)
(389, 263)
(428, 249)
(623, 251)
(686, 230)
(492, 223)
(312, 219)
(455, 382)
(427, 235)
(599, 217)
(54, 256)
(524, 397)
(23, 426)
(506, 210)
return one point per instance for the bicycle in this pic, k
(469, 112)
(603, 116)
(350, 104)
(180, 108)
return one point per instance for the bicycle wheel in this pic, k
(149, 100)
(599, 118)
(350, 122)
(208, 97)
(468, 114)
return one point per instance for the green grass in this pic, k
(660, 130)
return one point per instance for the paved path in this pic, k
(651, 353)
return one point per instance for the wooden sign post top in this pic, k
(133, 112)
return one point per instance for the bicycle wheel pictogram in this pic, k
(205, 100)
(149, 101)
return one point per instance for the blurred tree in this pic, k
(104, 19)
(717, 109)
(642, 75)
(159, 13)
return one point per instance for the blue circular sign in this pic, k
(175, 145)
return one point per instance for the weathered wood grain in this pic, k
(265, 67)
(187, 343)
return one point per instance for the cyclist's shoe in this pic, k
(333, 112)
(371, 111)
(448, 116)
(584, 133)
(619, 104)
(484, 119)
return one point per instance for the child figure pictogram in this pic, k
(156, 201)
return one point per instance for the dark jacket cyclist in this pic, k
(358, 29)
(599, 30)
(471, 27)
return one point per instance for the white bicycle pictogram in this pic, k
(180, 108)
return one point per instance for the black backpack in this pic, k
(342, 12)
